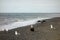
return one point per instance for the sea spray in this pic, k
(21, 24)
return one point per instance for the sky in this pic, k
(29, 6)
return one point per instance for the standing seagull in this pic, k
(16, 33)
(51, 26)
(32, 28)
(6, 29)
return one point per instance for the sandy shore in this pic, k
(42, 31)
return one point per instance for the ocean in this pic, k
(26, 15)
(13, 20)
(6, 18)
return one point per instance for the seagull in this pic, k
(6, 29)
(16, 33)
(31, 26)
(51, 26)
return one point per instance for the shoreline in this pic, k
(41, 32)
(21, 24)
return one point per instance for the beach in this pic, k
(42, 31)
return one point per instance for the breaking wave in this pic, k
(19, 23)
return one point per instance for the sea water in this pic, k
(14, 20)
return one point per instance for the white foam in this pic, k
(20, 24)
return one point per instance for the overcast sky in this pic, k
(29, 6)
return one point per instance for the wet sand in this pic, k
(41, 31)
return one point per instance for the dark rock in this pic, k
(32, 29)
(43, 21)
(38, 21)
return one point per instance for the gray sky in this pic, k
(29, 6)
